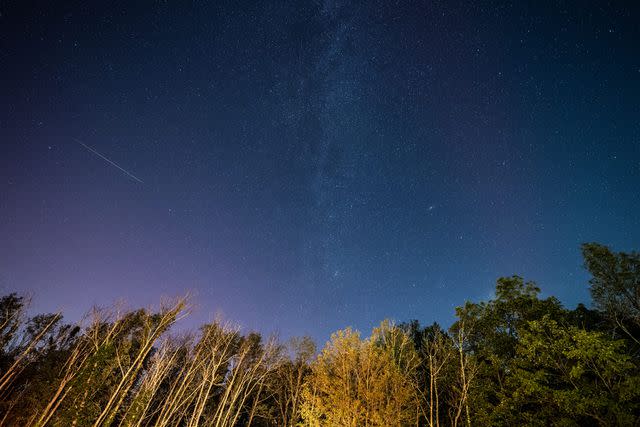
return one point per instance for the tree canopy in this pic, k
(515, 359)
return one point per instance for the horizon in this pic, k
(198, 315)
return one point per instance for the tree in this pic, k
(436, 373)
(104, 365)
(286, 385)
(615, 286)
(467, 370)
(516, 359)
(564, 375)
(356, 382)
(11, 316)
(491, 333)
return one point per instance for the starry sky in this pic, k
(302, 166)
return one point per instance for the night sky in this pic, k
(303, 166)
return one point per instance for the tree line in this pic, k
(517, 359)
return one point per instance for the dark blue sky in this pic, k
(310, 165)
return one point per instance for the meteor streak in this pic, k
(108, 161)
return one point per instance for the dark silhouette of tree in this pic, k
(615, 286)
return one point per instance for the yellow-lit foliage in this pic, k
(357, 382)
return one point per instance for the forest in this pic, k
(516, 359)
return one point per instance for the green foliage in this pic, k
(516, 359)
(493, 331)
(615, 286)
(570, 376)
